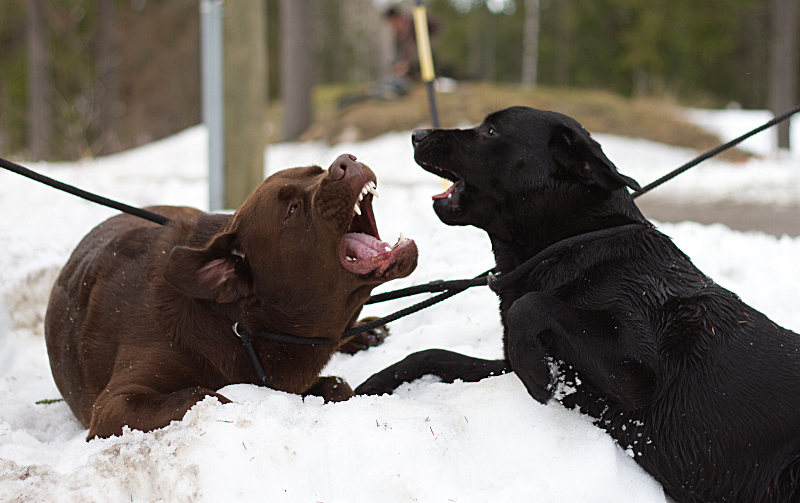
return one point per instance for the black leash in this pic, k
(69, 189)
(711, 153)
(449, 288)
(494, 281)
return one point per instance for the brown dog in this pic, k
(139, 323)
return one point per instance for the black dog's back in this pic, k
(709, 405)
(701, 389)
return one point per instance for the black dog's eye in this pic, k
(491, 131)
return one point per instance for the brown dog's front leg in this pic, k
(331, 389)
(142, 408)
(364, 340)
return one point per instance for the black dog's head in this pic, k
(521, 166)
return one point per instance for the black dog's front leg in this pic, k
(447, 365)
(603, 352)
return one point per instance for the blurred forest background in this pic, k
(82, 78)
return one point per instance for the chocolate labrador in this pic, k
(139, 325)
(700, 388)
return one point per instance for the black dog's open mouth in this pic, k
(362, 251)
(451, 193)
(451, 196)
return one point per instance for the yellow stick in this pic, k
(423, 43)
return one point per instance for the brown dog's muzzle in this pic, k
(361, 251)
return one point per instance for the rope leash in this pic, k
(715, 151)
(449, 288)
(69, 189)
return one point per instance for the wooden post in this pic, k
(297, 67)
(244, 63)
(783, 65)
(40, 82)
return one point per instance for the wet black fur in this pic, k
(703, 389)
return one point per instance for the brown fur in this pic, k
(139, 323)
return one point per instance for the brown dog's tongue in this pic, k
(445, 194)
(361, 246)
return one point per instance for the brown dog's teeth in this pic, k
(372, 189)
(357, 209)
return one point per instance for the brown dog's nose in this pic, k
(342, 163)
(418, 135)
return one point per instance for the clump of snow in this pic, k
(485, 441)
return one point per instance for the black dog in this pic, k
(702, 389)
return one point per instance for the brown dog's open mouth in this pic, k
(362, 251)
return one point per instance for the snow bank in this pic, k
(464, 442)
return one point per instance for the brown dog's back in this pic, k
(105, 274)
(140, 324)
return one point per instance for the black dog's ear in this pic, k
(217, 272)
(576, 154)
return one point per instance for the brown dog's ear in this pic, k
(576, 154)
(217, 272)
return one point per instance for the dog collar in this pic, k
(247, 342)
(498, 282)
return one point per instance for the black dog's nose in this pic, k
(418, 135)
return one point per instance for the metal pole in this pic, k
(213, 98)
(425, 57)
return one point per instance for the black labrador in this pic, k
(702, 389)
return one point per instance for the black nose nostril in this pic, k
(419, 135)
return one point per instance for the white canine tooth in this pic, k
(357, 209)
(361, 197)
(402, 238)
(372, 188)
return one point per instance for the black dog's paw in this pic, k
(364, 340)
(384, 382)
(541, 394)
(537, 378)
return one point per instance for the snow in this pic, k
(464, 442)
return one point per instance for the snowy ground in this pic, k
(465, 442)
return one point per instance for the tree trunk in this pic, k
(563, 31)
(297, 67)
(244, 59)
(106, 87)
(39, 80)
(530, 43)
(783, 61)
(489, 44)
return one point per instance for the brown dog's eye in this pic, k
(292, 209)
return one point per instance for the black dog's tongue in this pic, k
(446, 194)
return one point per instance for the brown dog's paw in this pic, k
(331, 389)
(366, 339)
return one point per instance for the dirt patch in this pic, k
(775, 220)
(27, 302)
(658, 120)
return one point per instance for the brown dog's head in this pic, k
(303, 247)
